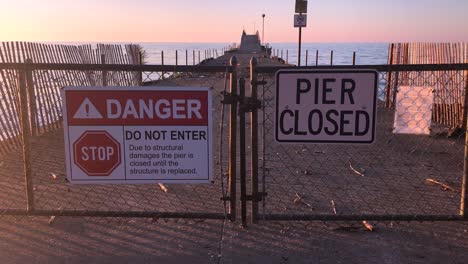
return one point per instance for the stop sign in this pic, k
(97, 153)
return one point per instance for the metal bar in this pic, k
(242, 160)
(112, 67)
(463, 196)
(233, 141)
(318, 217)
(299, 49)
(91, 213)
(26, 135)
(383, 68)
(307, 58)
(354, 58)
(331, 57)
(254, 139)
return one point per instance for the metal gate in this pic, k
(33, 179)
(399, 177)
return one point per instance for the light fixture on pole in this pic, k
(263, 29)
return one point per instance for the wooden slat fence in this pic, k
(44, 85)
(449, 86)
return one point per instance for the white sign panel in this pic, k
(138, 134)
(413, 113)
(300, 20)
(326, 106)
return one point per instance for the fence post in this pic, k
(389, 88)
(104, 73)
(331, 57)
(199, 57)
(176, 58)
(233, 141)
(254, 139)
(307, 57)
(464, 197)
(193, 57)
(354, 58)
(287, 56)
(316, 58)
(242, 154)
(32, 101)
(25, 135)
(186, 57)
(140, 73)
(162, 63)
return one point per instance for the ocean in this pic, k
(366, 53)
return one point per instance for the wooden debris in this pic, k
(443, 185)
(333, 206)
(163, 188)
(52, 219)
(299, 200)
(354, 170)
(368, 226)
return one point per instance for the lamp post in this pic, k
(263, 29)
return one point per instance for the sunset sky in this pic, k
(223, 21)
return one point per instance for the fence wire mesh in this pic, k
(53, 194)
(414, 168)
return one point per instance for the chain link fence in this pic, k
(43, 189)
(413, 170)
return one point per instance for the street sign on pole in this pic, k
(326, 106)
(301, 6)
(300, 20)
(138, 134)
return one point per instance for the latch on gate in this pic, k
(248, 104)
(255, 198)
(228, 98)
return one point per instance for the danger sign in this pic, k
(326, 106)
(138, 134)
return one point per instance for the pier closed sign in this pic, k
(138, 134)
(326, 106)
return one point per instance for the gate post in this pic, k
(25, 135)
(242, 154)
(233, 141)
(464, 197)
(254, 140)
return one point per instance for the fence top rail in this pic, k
(114, 67)
(381, 68)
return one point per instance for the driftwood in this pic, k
(354, 170)
(299, 200)
(163, 187)
(443, 185)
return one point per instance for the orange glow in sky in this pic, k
(223, 21)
